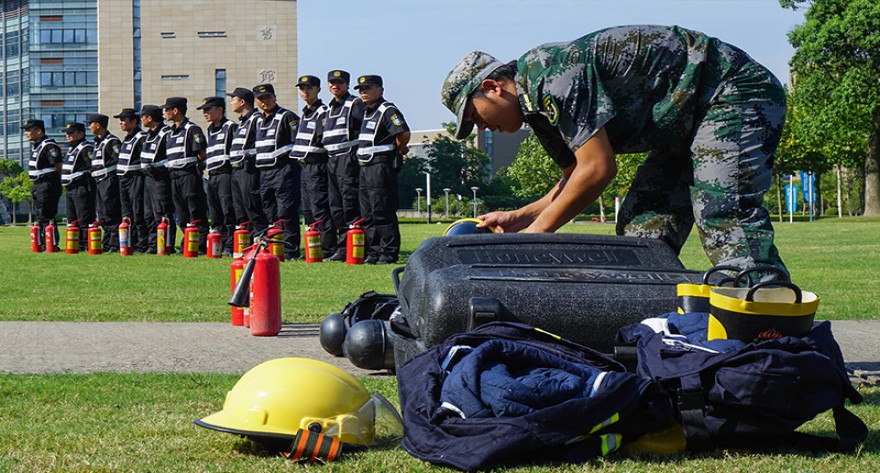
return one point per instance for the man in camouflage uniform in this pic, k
(710, 116)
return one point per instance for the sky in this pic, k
(413, 44)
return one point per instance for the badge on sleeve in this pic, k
(293, 126)
(198, 137)
(53, 152)
(395, 119)
(551, 109)
(115, 148)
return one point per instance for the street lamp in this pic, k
(446, 191)
(475, 189)
(419, 202)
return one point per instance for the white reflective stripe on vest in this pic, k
(216, 159)
(367, 137)
(374, 149)
(341, 146)
(337, 132)
(179, 163)
(217, 147)
(102, 171)
(68, 178)
(274, 154)
(129, 167)
(307, 149)
(40, 172)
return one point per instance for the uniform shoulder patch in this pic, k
(53, 151)
(552, 110)
(115, 148)
(293, 124)
(396, 120)
(198, 137)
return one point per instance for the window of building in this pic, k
(212, 34)
(175, 77)
(220, 82)
(168, 34)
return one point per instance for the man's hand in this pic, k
(506, 222)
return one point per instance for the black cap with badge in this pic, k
(242, 93)
(34, 123)
(128, 113)
(264, 89)
(152, 111)
(364, 81)
(71, 127)
(209, 102)
(98, 118)
(338, 74)
(308, 80)
(174, 102)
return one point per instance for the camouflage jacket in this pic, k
(649, 86)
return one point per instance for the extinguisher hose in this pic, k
(241, 295)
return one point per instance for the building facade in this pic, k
(64, 59)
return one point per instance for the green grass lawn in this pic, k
(836, 259)
(143, 422)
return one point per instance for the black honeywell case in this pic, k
(581, 287)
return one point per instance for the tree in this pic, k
(457, 164)
(836, 66)
(533, 172)
(17, 189)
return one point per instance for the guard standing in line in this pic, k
(44, 168)
(104, 161)
(158, 203)
(184, 149)
(279, 175)
(383, 143)
(245, 175)
(77, 179)
(312, 156)
(221, 132)
(344, 116)
(131, 179)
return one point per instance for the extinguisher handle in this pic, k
(395, 278)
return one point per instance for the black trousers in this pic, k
(280, 194)
(378, 194)
(131, 199)
(342, 184)
(221, 208)
(316, 205)
(47, 191)
(81, 206)
(109, 210)
(246, 197)
(189, 203)
(158, 204)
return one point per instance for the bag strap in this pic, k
(851, 432)
(691, 402)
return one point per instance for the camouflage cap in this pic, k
(462, 81)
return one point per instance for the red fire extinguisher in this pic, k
(125, 237)
(265, 289)
(354, 243)
(162, 246)
(312, 243)
(191, 240)
(241, 239)
(51, 244)
(35, 238)
(95, 244)
(275, 236)
(72, 237)
(215, 244)
(235, 270)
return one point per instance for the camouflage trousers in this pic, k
(718, 181)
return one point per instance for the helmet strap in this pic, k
(311, 447)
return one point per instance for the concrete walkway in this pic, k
(84, 347)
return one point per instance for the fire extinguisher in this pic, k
(72, 237)
(215, 244)
(259, 289)
(312, 243)
(354, 243)
(235, 270)
(95, 243)
(35, 238)
(275, 236)
(162, 246)
(51, 243)
(241, 239)
(191, 240)
(125, 237)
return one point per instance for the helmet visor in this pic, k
(376, 423)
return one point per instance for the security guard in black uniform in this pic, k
(185, 148)
(44, 169)
(344, 116)
(158, 203)
(245, 175)
(220, 133)
(383, 141)
(312, 156)
(77, 180)
(279, 175)
(131, 179)
(104, 165)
